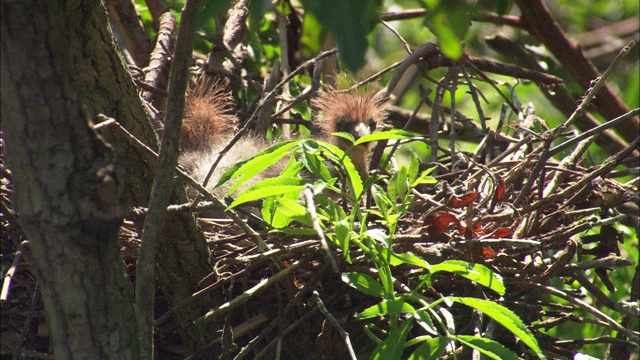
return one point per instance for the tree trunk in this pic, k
(68, 192)
(59, 70)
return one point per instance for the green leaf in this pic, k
(249, 168)
(424, 320)
(414, 168)
(272, 215)
(378, 235)
(490, 348)
(396, 134)
(288, 208)
(345, 135)
(432, 349)
(363, 283)
(208, 12)
(339, 156)
(408, 258)
(295, 231)
(474, 272)
(264, 192)
(506, 318)
(392, 347)
(425, 178)
(257, 9)
(349, 21)
(398, 185)
(450, 21)
(343, 237)
(314, 162)
(386, 307)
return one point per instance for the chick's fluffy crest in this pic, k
(358, 107)
(207, 116)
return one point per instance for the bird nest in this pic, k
(536, 223)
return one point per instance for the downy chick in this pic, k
(356, 114)
(207, 124)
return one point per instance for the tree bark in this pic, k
(68, 191)
(60, 68)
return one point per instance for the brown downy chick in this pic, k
(356, 114)
(207, 117)
(207, 128)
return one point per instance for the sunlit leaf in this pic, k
(408, 258)
(488, 347)
(343, 237)
(425, 178)
(432, 349)
(392, 347)
(363, 283)
(265, 191)
(388, 135)
(386, 307)
(506, 318)
(249, 168)
(474, 272)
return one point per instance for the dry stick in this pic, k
(159, 56)
(498, 19)
(248, 294)
(559, 96)
(372, 78)
(479, 65)
(286, 67)
(6, 285)
(546, 154)
(336, 324)
(397, 34)
(560, 176)
(452, 131)
(197, 295)
(311, 209)
(605, 167)
(243, 352)
(593, 290)
(402, 15)
(303, 320)
(476, 99)
(594, 131)
(302, 293)
(538, 20)
(436, 114)
(421, 51)
(406, 126)
(306, 94)
(588, 308)
(470, 62)
(163, 181)
(264, 115)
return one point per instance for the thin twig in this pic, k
(163, 181)
(581, 304)
(6, 284)
(336, 324)
(248, 294)
(311, 209)
(597, 130)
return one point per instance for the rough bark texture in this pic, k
(67, 190)
(60, 69)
